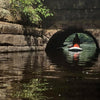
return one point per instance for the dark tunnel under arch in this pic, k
(59, 37)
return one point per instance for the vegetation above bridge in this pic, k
(32, 11)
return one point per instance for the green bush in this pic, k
(32, 10)
(83, 38)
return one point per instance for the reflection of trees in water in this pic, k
(31, 86)
(85, 70)
(19, 67)
(32, 90)
(81, 58)
(76, 81)
(66, 58)
(11, 71)
(23, 73)
(36, 62)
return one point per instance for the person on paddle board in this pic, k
(76, 41)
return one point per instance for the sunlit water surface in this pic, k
(60, 75)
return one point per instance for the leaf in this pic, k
(31, 9)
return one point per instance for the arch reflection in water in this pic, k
(80, 73)
(70, 58)
(81, 57)
(33, 75)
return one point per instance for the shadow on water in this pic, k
(80, 74)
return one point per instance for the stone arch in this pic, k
(59, 37)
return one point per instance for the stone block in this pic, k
(21, 48)
(9, 28)
(16, 40)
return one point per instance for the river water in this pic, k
(60, 75)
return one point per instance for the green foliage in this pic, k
(34, 10)
(83, 38)
(32, 90)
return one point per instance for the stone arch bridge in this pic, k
(56, 38)
(14, 37)
(70, 16)
(51, 39)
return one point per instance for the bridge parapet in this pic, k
(21, 38)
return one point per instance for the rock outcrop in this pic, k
(5, 12)
(16, 37)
